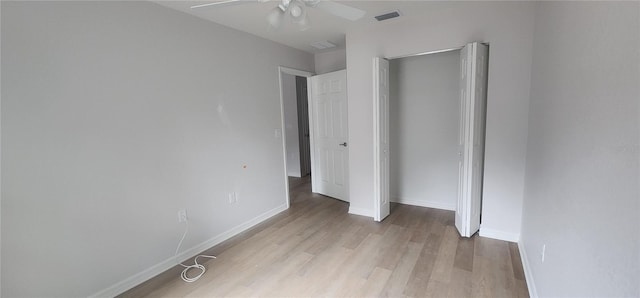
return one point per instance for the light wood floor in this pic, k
(317, 249)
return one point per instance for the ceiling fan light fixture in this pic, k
(275, 18)
(297, 11)
(284, 5)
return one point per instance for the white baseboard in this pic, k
(528, 275)
(500, 235)
(165, 265)
(428, 204)
(360, 211)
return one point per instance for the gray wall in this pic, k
(290, 100)
(581, 194)
(0, 156)
(424, 119)
(114, 116)
(330, 61)
(508, 27)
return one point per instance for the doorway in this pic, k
(455, 148)
(295, 131)
(296, 127)
(314, 131)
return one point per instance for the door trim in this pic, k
(426, 53)
(296, 72)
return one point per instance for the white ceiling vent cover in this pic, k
(321, 45)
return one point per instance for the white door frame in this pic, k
(301, 73)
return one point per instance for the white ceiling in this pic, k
(251, 17)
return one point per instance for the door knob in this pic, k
(343, 144)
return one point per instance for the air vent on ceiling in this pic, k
(321, 45)
(386, 16)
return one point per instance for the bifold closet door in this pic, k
(473, 98)
(381, 138)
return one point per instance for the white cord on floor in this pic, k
(195, 260)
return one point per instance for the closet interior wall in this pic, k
(424, 126)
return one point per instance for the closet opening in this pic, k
(429, 131)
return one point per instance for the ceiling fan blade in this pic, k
(341, 10)
(222, 3)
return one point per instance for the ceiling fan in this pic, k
(297, 10)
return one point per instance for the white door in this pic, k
(330, 158)
(381, 138)
(473, 98)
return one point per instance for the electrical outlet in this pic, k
(543, 250)
(182, 215)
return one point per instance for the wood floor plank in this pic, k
(446, 256)
(461, 283)
(272, 284)
(418, 281)
(324, 270)
(337, 232)
(514, 253)
(420, 232)
(521, 289)
(317, 249)
(400, 216)
(356, 239)
(375, 283)
(437, 289)
(391, 248)
(355, 268)
(484, 280)
(464, 254)
(402, 272)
